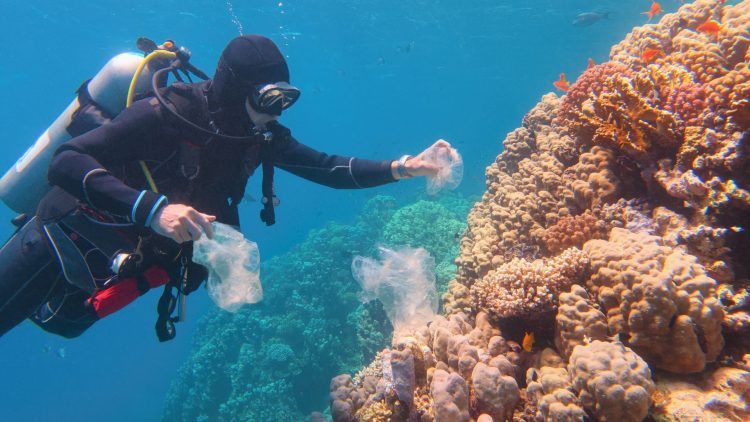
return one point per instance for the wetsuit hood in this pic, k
(247, 61)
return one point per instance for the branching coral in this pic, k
(528, 289)
(589, 85)
(626, 117)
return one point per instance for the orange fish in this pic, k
(592, 63)
(710, 27)
(528, 342)
(653, 11)
(562, 83)
(650, 54)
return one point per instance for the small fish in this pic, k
(737, 229)
(653, 11)
(528, 341)
(562, 84)
(650, 54)
(591, 64)
(589, 18)
(710, 27)
(61, 353)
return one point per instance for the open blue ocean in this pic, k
(378, 80)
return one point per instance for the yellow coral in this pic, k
(374, 412)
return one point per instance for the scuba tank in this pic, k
(125, 78)
(24, 184)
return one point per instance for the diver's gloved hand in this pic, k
(182, 223)
(419, 166)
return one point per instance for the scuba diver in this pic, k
(131, 193)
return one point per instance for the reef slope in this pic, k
(613, 229)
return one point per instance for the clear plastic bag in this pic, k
(404, 281)
(233, 264)
(451, 166)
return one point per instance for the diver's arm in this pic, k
(80, 165)
(331, 170)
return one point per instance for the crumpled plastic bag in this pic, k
(404, 282)
(451, 166)
(233, 264)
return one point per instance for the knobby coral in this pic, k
(658, 298)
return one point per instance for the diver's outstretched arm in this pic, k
(330, 170)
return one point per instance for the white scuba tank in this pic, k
(24, 184)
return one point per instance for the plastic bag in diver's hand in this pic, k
(404, 281)
(451, 166)
(233, 264)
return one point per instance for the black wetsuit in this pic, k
(99, 170)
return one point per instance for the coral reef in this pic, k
(573, 231)
(577, 321)
(612, 382)
(550, 390)
(528, 289)
(658, 298)
(721, 395)
(611, 241)
(261, 363)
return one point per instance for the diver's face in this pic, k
(258, 119)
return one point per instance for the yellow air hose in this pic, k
(163, 54)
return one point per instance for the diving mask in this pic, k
(274, 98)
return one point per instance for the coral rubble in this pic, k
(612, 230)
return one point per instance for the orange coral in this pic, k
(590, 83)
(686, 101)
(626, 118)
(574, 231)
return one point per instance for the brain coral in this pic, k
(612, 381)
(658, 298)
(528, 289)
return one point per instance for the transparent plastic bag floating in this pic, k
(233, 264)
(451, 168)
(404, 282)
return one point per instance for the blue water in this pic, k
(379, 79)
